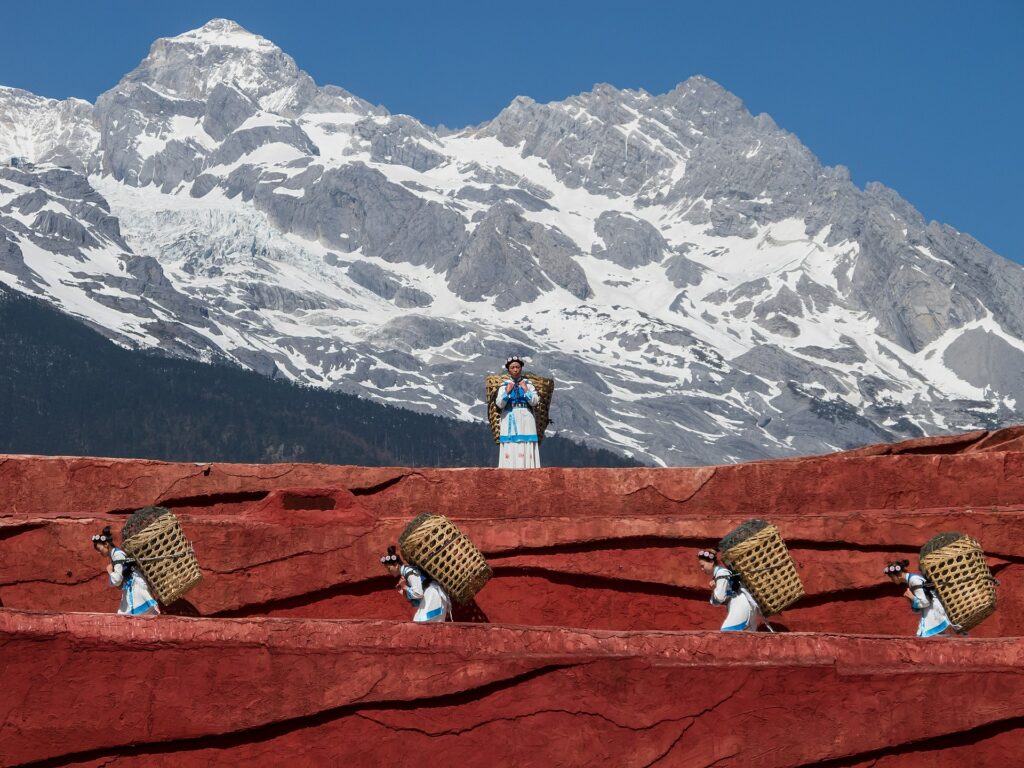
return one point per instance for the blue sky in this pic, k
(925, 97)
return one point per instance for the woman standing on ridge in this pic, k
(518, 447)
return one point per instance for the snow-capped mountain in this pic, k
(701, 287)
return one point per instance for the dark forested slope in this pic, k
(65, 389)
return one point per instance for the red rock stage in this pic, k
(592, 644)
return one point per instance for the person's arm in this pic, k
(531, 392)
(116, 571)
(720, 594)
(917, 594)
(502, 395)
(413, 585)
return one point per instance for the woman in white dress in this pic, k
(741, 610)
(136, 598)
(923, 599)
(431, 602)
(518, 446)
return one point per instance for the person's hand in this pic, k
(711, 583)
(110, 568)
(401, 584)
(525, 385)
(508, 388)
(909, 595)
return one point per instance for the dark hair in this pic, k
(896, 567)
(707, 555)
(391, 558)
(103, 537)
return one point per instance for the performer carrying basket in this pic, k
(136, 597)
(437, 547)
(518, 407)
(741, 611)
(423, 593)
(955, 587)
(156, 544)
(756, 552)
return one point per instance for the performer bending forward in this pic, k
(431, 602)
(136, 598)
(518, 447)
(742, 613)
(922, 599)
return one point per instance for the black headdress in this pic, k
(391, 558)
(513, 359)
(706, 554)
(896, 567)
(104, 537)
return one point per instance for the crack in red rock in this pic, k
(17, 529)
(937, 743)
(693, 719)
(268, 731)
(700, 486)
(523, 716)
(371, 490)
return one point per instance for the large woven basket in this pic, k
(541, 411)
(963, 581)
(155, 540)
(433, 543)
(766, 568)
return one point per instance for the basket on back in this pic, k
(956, 565)
(153, 537)
(433, 543)
(541, 411)
(756, 552)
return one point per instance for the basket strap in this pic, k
(966, 580)
(175, 556)
(763, 570)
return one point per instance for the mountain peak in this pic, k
(221, 51)
(223, 33)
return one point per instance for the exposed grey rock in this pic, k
(387, 285)
(244, 141)
(226, 109)
(417, 332)
(848, 355)
(400, 140)
(356, 207)
(515, 260)
(496, 194)
(629, 241)
(54, 224)
(985, 360)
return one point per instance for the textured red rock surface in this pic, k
(585, 549)
(183, 692)
(610, 549)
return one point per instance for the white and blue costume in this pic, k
(518, 445)
(431, 602)
(933, 615)
(742, 613)
(136, 599)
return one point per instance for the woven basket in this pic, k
(541, 411)
(963, 581)
(164, 556)
(433, 543)
(767, 569)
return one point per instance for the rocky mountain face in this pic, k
(701, 287)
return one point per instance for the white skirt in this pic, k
(519, 456)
